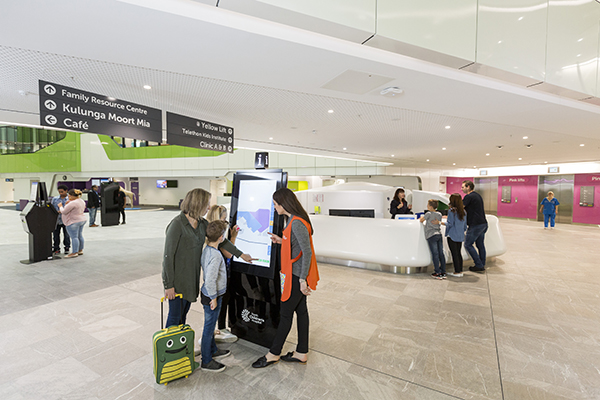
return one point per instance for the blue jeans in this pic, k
(208, 346)
(93, 212)
(436, 247)
(476, 234)
(549, 217)
(178, 309)
(75, 232)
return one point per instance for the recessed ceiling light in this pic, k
(580, 40)
(330, 111)
(447, 126)
(392, 155)
(520, 158)
(428, 160)
(270, 138)
(525, 137)
(474, 166)
(147, 87)
(499, 41)
(520, 18)
(582, 145)
(443, 148)
(344, 148)
(578, 55)
(487, 154)
(545, 162)
(453, 163)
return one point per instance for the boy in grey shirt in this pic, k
(433, 234)
(215, 285)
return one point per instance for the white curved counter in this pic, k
(399, 243)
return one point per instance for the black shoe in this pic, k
(67, 251)
(56, 252)
(475, 269)
(123, 223)
(289, 357)
(217, 355)
(213, 366)
(262, 362)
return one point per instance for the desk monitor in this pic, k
(253, 211)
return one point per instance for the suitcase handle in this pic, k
(162, 299)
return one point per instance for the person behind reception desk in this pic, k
(74, 220)
(433, 234)
(299, 275)
(456, 225)
(549, 206)
(185, 236)
(399, 205)
(222, 334)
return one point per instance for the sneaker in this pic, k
(213, 366)
(219, 354)
(443, 276)
(456, 274)
(67, 251)
(225, 336)
(56, 252)
(474, 269)
(435, 275)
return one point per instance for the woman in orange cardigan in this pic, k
(299, 276)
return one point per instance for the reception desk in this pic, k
(385, 244)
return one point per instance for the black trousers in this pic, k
(296, 303)
(457, 259)
(56, 237)
(122, 211)
(225, 309)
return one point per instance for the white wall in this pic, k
(151, 195)
(6, 190)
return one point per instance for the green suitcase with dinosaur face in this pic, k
(173, 350)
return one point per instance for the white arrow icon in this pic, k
(230, 139)
(230, 131)
(51, 119)
(229, 148)
(50, 105)
(51, 90)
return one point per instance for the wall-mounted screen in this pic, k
(171, 184)
(506, 194)
(253, 212)
(586, 196)
(161, 183)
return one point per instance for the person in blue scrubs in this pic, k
(549, 208)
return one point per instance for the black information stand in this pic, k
(109, 210)
(39, 220)
(256, 290)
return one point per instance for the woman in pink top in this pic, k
(74, 220)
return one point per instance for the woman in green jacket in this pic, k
(185, 237)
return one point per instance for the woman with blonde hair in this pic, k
(185, 237)
(222, 334)
(74, 220)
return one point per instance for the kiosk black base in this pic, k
(109, 211)
(255, 303)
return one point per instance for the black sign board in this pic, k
(77, 110)
(191, 132)
(261, 160)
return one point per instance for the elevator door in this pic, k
(488, 189)
(562, 186)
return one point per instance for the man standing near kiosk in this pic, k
(477, 226)
(93, 205)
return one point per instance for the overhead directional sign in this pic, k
(191, 132)
(77, 110)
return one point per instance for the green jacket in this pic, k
(183, 252)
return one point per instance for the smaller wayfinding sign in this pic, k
(72, 109)
(192, 132)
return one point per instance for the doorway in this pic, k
(562, 186)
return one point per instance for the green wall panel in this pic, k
(116, 152)
(62, 156)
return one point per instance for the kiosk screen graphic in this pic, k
(255, 213)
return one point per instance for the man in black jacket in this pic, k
(477, 226)
(120, 200)
(93, 204)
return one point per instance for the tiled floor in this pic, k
(528, 329)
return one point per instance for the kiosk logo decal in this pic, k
(247, 316)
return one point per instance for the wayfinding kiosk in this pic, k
(39, 220)
(256, 292)
(109, 210)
